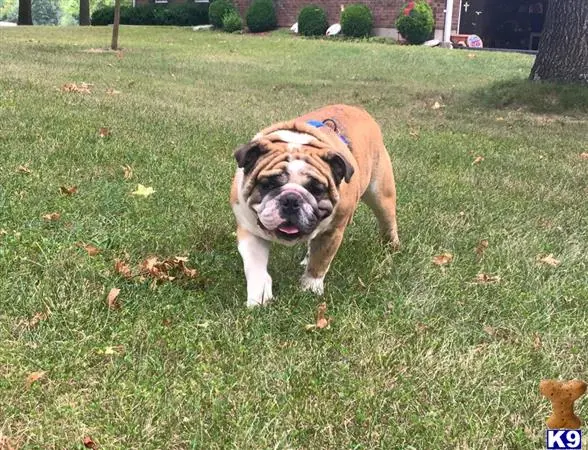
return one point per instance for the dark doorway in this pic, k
(513, 24)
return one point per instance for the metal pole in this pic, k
(448, 20)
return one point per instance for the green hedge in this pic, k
(312, 21)
(415, 22)
(357, 20)
(180, 15)
(261, 16)
(232, 22)
(218, 9)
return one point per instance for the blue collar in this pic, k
(319, 124)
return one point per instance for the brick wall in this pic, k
(384, 11)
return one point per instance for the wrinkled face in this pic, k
(291, 202)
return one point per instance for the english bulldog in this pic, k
(301, 181)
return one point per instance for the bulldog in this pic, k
(300, 181)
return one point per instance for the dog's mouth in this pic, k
(286, 230)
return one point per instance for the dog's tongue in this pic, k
(288, 229)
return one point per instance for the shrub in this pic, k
(415, 22)
(357, 20)
(217, 10)
(232, 22)
(312, 21)
(180, 15)
(261, 16)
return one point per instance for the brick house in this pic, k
(384, 11)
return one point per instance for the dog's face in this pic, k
(290, 194)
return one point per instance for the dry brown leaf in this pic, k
(103, 132)
(442, 259)
(92, 250)
(484, 278)
(122, 268)
(89, 443)
(111, 298)
(128, 172)
(112, 91)
(68, 190)
(481, 247)
(584, 155)
(537, 343)
(24, 169)
(321, 320)
(34, 376)
(52, 216)
(478, 160)
(82, 88)
(549, 260)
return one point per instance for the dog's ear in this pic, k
(341, 168)
(248, 154)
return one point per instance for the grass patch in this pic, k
(415, 356)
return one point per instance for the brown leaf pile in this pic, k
(122, 268)
(82, 88)
(158, 270)
(442, 259)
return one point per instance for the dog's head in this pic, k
(290, 184)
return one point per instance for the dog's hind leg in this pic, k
(381, 198)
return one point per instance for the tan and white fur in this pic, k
(298, 183)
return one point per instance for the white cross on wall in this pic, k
(466, 5)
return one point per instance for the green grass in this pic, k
(416, 356)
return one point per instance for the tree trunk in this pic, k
(25, 12)
(563, 49)
(84, 12)
(115, 24)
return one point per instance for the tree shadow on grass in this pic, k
(535, 97)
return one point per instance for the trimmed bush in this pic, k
(217, 10)
(312, 21)
(261, 16)
(187, 14)
(357, 21)
(415, 22)
(232, 22)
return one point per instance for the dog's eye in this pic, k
(270, 183)
(316, 188)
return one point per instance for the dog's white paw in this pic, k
(260, 293)
(315, 285)
(304, 262)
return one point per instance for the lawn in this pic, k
(416, 355)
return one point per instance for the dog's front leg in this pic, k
(321, 251)
(255, 254)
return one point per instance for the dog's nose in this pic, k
(290, 203)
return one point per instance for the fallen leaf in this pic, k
(166, 322)
(103, 132)
(112, 91)
(52, 216)
(143, 191)
(414, 134)
(34, 376)
(537, 344)
(24, 169)
(92, 250)
(89, 443)
(68, 190)
(122, 268)
(437, 105)
(34, 321)
(549, 260)
(584, 155)
(111, 298)
(442, 259)
(484, 278)
(421, 327)
(321, 321)
(481, 247)
(500, 119)
(478, 160)
(128, 172)
(112, 350)
(83, 88)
